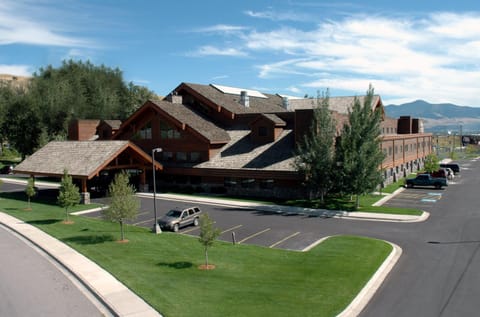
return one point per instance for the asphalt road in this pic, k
(439, 271)
(32, 286)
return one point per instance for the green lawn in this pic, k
(248, 280)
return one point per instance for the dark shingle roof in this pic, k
(187, 116)
(231, 102)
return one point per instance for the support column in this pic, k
(84, 195)
(143, 186)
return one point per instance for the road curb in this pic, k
(369, 290)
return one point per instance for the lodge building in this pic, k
(220, 139)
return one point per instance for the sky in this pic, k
(407, 50)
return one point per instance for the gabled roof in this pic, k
(339, 104)
(114, 124)
(82, 159)
(272, 118)
(182, 116)
(186, 116)
(231, 102)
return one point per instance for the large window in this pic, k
(168, 132)
(146, 132)
(181, 156)
(194, 156)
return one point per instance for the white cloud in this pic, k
(16, 70)
(217, 51)
(221, 28)
(436, 58)
(31, 23)
(277, 16)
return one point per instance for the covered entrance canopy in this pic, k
(86, 159)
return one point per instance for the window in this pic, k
(168, 132)
(230, 182)
(181, 156)
(267, 184)
(146, 132)
(194, 156)
(167, 156)
(248, 183)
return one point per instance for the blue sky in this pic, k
(407, 50)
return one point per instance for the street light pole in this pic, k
(156, 228)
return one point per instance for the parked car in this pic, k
(453, 166)
(449, 172)
(426, 180)
(177, 218)
(7, 169)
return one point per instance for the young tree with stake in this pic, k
(208, 235)
(68, 195)
(124, 205)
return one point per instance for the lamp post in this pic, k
(156, 228)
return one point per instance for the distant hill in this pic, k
(439, 117)
(15, 81)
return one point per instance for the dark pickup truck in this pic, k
(426, 180)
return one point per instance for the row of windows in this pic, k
(407, 148)
(166, 132)
(389, 130)
(179, 156)
(248, 182)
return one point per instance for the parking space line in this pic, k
(253, 235)
(141, 222)
(284, 239)
(230, 229)
(190, 230)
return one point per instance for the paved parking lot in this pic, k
(240, 224)
(419, 197)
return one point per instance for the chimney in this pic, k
(285, 103)
(174, 97)
(244, 99)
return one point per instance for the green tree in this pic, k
(315, 155)
(82, 90)
(359, 154)
(208, 234)
(22, 126)
(30, 190)
(432, 163)
(68, 195)
(124, 205)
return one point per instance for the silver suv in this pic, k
(177, 218)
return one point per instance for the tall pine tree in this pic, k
(316, 152)
(359, 153)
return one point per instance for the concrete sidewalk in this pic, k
(290, 210)
(113, 294)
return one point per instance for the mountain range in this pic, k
(439, 118)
